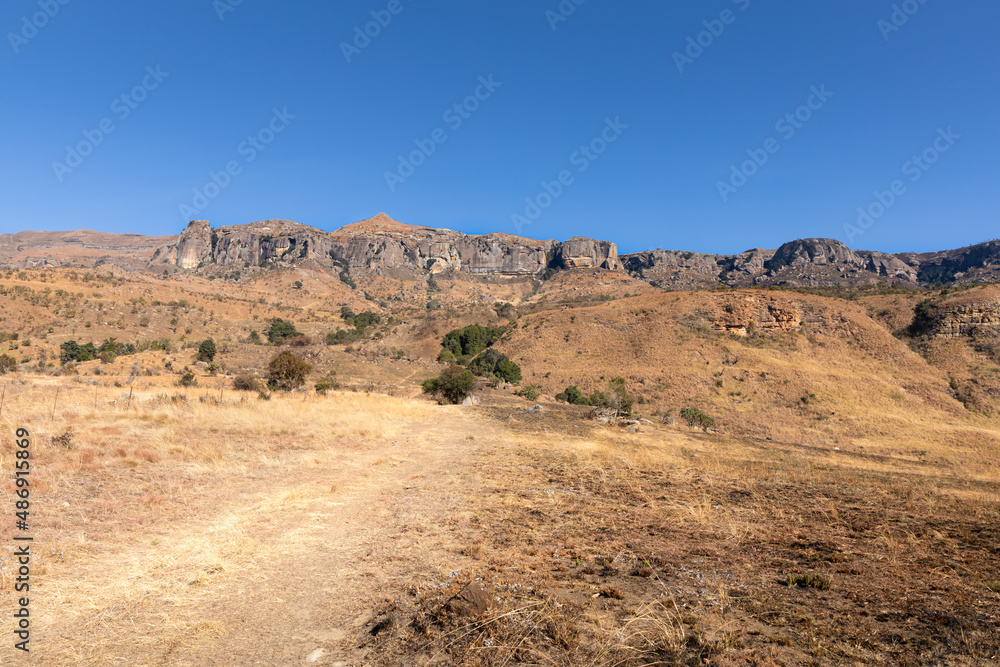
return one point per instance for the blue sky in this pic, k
(620, 121)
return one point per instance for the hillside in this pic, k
(840, 508)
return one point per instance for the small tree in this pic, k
(280, 330)
(7, 364)
(453, 385)
(287, 371)
(206, 351)
(69, 351)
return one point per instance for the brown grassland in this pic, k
(844, 510)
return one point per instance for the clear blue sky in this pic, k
(656, 185)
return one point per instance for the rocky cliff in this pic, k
(382, 243)
(804, 263)
(974, 313)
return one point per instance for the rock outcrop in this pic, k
(745, 314)
(193, 248)
(804, 263)
(382, 243)
(584, 253)
(973, 313)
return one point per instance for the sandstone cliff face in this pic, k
(974, 313)
(382, 243)
(967, 319)
(681, 270)
(580, 252)
(805, 263)
(747, 313)
(978, 263)
(267, 241)
(193, 247)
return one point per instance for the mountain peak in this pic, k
(380, 223)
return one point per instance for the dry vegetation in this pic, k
(842, 511)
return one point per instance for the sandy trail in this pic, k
(289, 568)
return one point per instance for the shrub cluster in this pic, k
(496, 366)
(280, 330)
(7, 364)
(696, 417)
(464, 344)
(247, 382)
(361, 323)
(107, 351)
(615, 398)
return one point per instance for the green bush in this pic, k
(471, 340)
(446, 357)
(287, 371)
(188, 380)
(696, 417)
(926, 318)
(574, 396)
(7, 364)
(495, 364)
(616, 398)
(530, 392)
(280, 330)
(360, 321)
(453, 385)
(342, 337)
(207, 351)
(71, 351)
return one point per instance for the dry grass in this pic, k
(156, 507)
(674, 547)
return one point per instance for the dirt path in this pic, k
(292, 571)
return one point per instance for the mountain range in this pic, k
(383, 246)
